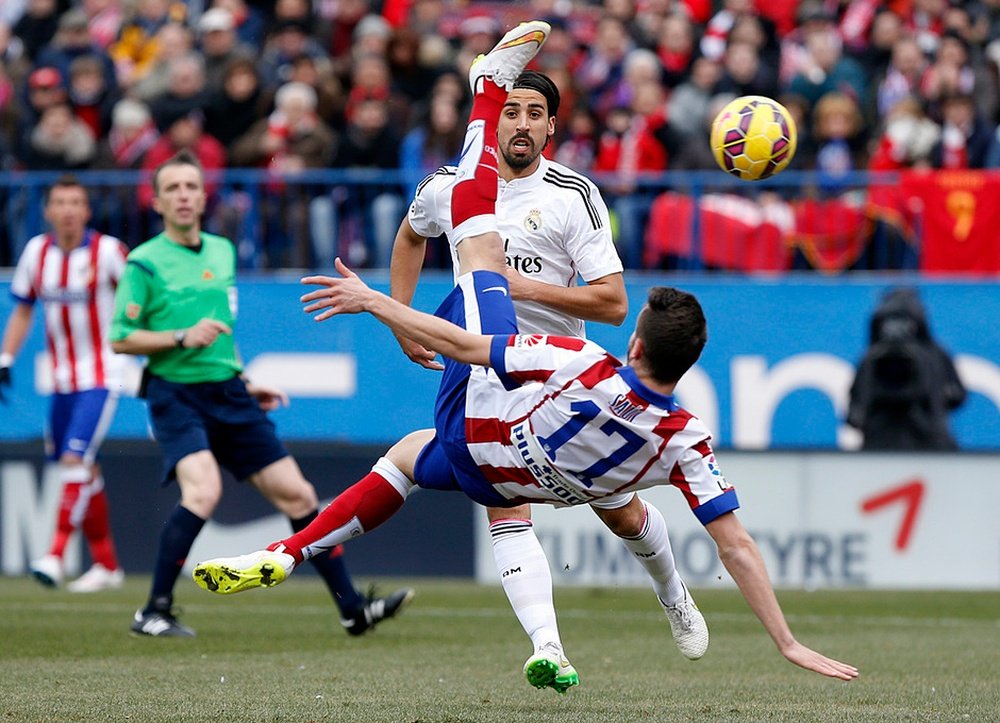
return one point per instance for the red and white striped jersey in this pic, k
(77, 292)
(559, 420)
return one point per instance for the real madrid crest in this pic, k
(533, 221)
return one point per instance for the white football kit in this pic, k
(555, 228)
(562, 421)
(77, 292)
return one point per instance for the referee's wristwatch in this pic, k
(179, 336)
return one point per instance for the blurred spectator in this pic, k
(813, 17)
(743, 74)
(951, 73)
(826, 69)
(603, 67)
(186, 91)
(435, 142)
(907, 140)
(173, 41)
(105, 20)
(71, 41)
(410, 78)
(90, 96)
(924, 20)
(45, 89)
(478, 33)
(37, 26)
(59, 142)
(131, 136)
(675, 48)
(906, 384)
(219, 44)
(696, 152)
(876, 52)
(631, 150)
(250, 25)
(838, 131)
(136, 49)
(716, 36)
(371, 36)
(330, 95)
(237, 105)
(369, 141)
(289, 40)
(965, 137)
(690, 100)
(345, 18)
(292, 139)
(185, 132)
(578, 149)
(902, 76)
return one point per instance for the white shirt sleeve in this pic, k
(22, 286)
(426, 207)
(113, 253)
(588, 237)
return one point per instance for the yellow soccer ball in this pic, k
(753, 138)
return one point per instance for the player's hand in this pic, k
(345, 295)
(419, 354)
(269, 398)
(204, 333)
(4, 382)
(518, 284)
(811, 660)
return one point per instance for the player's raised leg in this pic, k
(474, 193)
(359, 509)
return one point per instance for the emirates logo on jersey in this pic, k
(207, 275)
(533, 221)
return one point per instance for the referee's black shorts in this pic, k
(218, 416)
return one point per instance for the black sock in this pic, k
(179, 532)
(334, 572)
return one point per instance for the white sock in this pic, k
(652, 549)
(524, 573)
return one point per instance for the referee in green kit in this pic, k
(176, 304)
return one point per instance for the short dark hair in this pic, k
(181, 158)
(673, 329)
(533, 80)
(66, 180)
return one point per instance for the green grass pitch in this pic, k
(456, 655)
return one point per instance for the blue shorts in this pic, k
(445, 463)
(218, 416)
(78, 423)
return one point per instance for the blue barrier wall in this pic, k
(775, 373)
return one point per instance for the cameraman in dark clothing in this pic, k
(906, 384)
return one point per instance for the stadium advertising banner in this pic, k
(775, 374)
(820, 521)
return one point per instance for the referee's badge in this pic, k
(533, 221)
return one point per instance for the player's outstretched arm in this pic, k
(742, 559)
(350, 295)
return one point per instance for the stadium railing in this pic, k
(681, 220)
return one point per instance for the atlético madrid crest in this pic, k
(533, 221)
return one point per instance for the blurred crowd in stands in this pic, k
(295, 84)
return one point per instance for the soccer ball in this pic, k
(753, 138)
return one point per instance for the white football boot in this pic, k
(98, 578)
(510, 56)
(688, 626)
